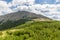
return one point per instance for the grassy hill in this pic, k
(33, 30)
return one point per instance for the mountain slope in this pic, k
(14, 19)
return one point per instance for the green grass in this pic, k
(33, 30)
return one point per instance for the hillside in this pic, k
(33, 30)
(12, 20)
(24, 25)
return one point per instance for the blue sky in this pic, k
(47, 1)
(7, 1)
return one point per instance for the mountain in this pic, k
(21, 15)
(12, 20)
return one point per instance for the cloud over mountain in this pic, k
(49, 10)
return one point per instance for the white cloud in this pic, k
(22, 2)
(4, 8)
(21, 5)
(47, 10)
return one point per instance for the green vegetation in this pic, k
(33, 30)
(10, 24)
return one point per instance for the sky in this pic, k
(41, 1)
(48, 8)
(45, 1)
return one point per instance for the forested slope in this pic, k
(33, 30)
